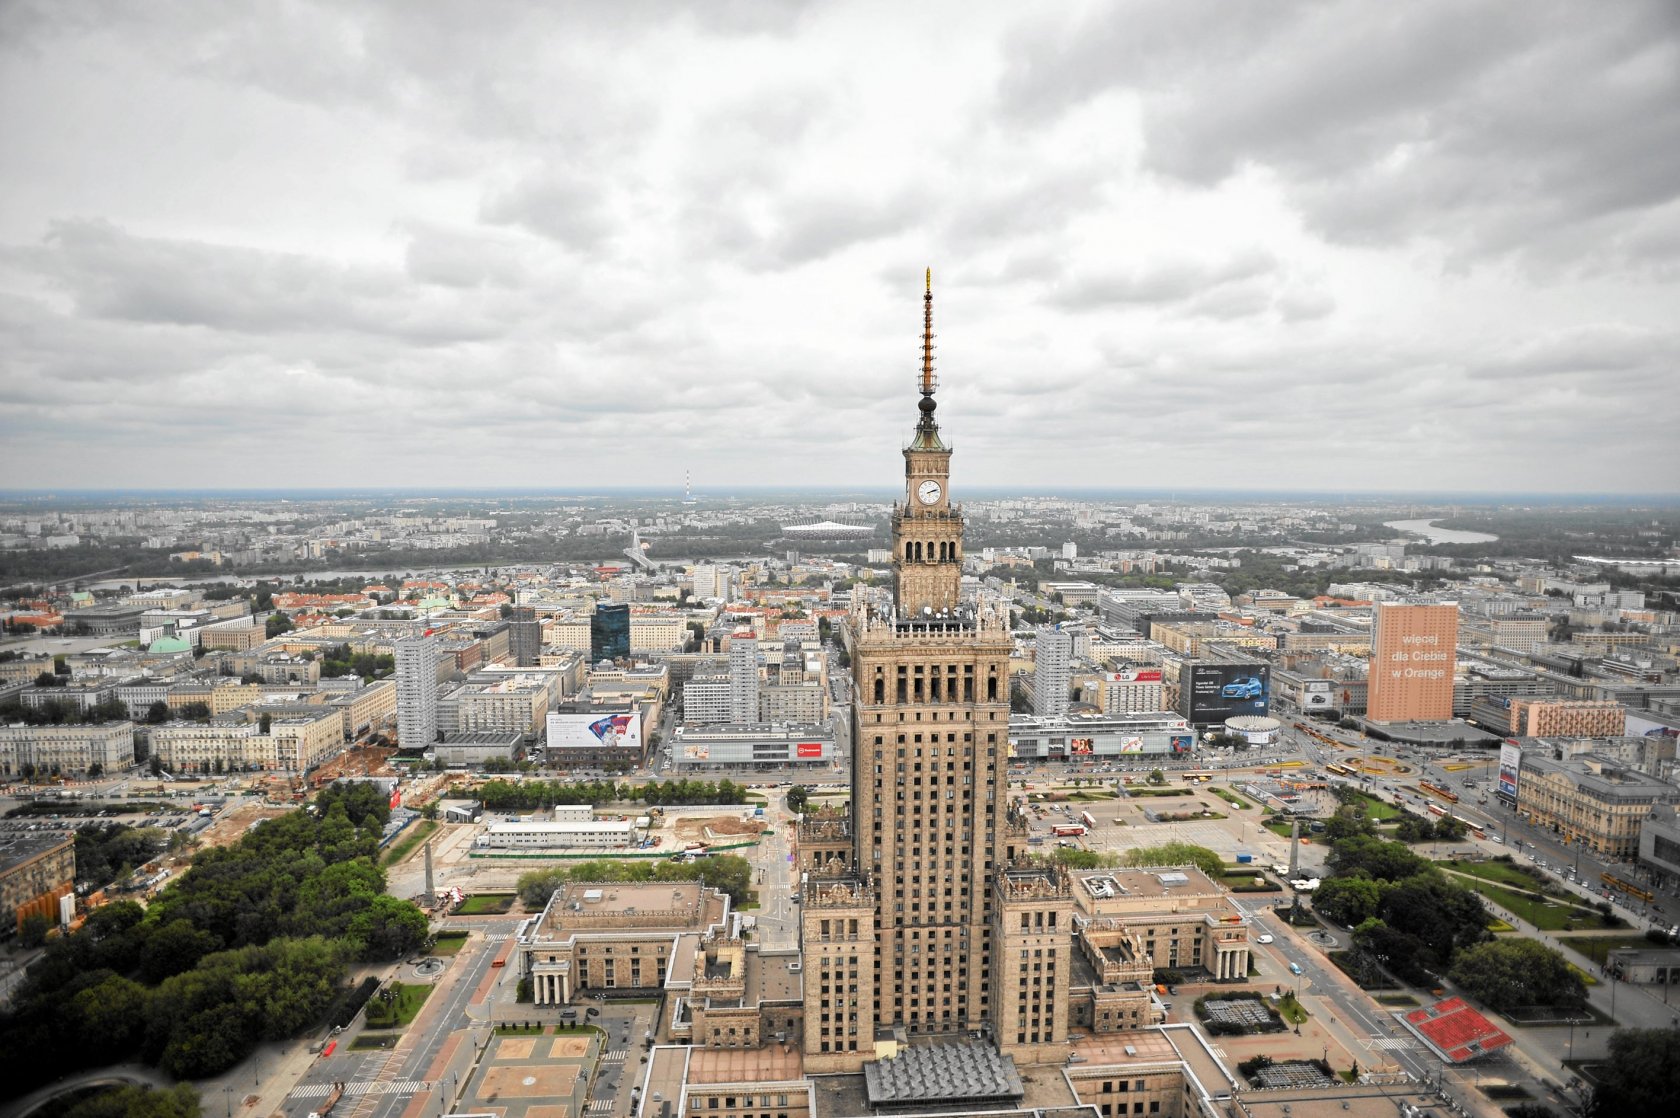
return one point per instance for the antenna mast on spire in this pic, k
(929, 382)
(927, 429)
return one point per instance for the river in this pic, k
(1438, 535)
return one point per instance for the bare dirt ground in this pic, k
(227, 830)
(366, 760)
(708, 829)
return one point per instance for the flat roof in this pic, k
(15, 848)
(773, 1063)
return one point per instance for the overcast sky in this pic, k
(1329, 246)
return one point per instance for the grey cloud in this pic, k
(1495, 127)
(561, 203)
(456, 258)
(1168, 282)
(114, 274)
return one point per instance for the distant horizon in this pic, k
(1348, 495)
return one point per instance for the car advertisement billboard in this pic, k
(595, 731)
(1216, 692)
(1638, 727)
(1317, 695)
(1510, 764)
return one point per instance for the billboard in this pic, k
(596, 731)
(809, 749)
(1510, 763)
(1183, 743)
(1638, 727)
(1215, 692)
(1136, 675)
(1081, 745)
(1131, 745)
(1316, 694)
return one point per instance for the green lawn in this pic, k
(486, 904)
(448, 943)
(400, 1009)
(1136, 791)
(1229, 797)
(1089, 795)
(1543, 912)
(1597, 948)
(1586, 978)
(1377, 809)
(374, 1040)
(403, 847)
(1291, 1010)
(1504, 873)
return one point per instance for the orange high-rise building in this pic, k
(1414, 650)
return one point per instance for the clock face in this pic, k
(928, 492)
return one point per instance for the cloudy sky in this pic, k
(1430, 245)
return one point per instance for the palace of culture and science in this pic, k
(915, 923)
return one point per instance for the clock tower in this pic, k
(927, 528)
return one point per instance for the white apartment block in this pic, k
(743, 678)
(66, 749)
(571, 633)
(657, 633)
(1052, 672)
(417, 692)
(793, 702)
(706, 699)
(511, 706)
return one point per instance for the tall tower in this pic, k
(929, 818)
(1052, 672)
(927, 528)
(743, 677)
(417, 692)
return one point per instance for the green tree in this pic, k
(798, 797)
(1508, 973)
(1177, 854)
(174, 948)
(265, 723)
(1643, 1076)
(277, 623)
(1349, 901)
(108, 1016)
(388, 928)
(1401, 953)
(1374, 858)
(33, 929)
(1444, 915)
(1157, 777)
(179, 1101)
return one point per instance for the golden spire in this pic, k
(927, 430)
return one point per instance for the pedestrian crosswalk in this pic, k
(600, 1106)
(1394, 1044)
(616, 1056)
(375, 1087)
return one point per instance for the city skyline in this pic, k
(1333, 249)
